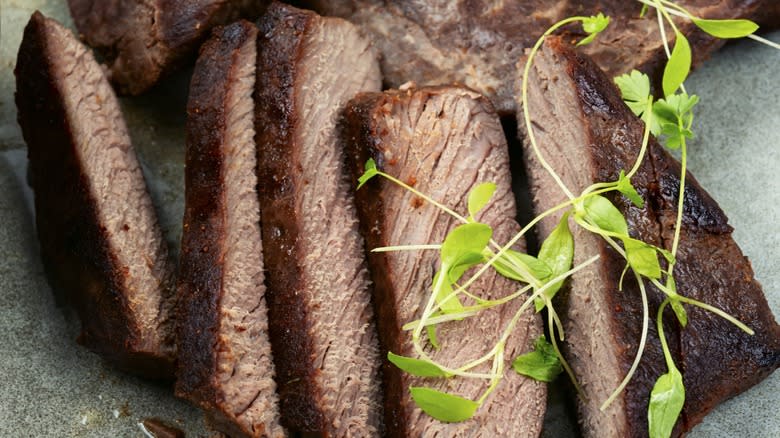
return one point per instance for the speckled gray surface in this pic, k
(52, 387)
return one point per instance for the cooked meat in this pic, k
(142, 41)
(159, 429)
(225, 363)
(477, 43)
(100, 241)
(322, 324)
(444, 141)
(587, 134)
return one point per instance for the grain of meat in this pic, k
(588, 135)
(142, 41)
(443, 141)
(100, 241)
(225, 362)
(322, 325)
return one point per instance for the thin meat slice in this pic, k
(477, 43)
(225, 362)
(143, 40)
(100, 241)
(588, 135)
(443, 141)
(322, 324)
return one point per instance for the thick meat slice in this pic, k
(587, 134)
(225, 361)
(443, 141)
(322, 324)
(477, 43)
(142, 40)
(99, 237)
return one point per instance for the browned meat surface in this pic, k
(143, 40)
(476, 43)
(444, 141)
(588, 135)
(100, 241)
(160, 429)
(322, 324)
(225, 362)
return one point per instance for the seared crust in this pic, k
(75, 245)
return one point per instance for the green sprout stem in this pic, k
(645, 139)
(407, 248)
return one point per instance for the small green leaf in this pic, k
(370, 172)
(542, 364)
(666, 402)
(593, 25)
(635, 89)
(506, 266)
(479, 197)
(678, 66)
(464, 242)
(432, 337)
(679, 311)
(557, 252)
(451, 305)
(605, 215)
(726, 28)
(416, 367)
(442, 406)
(642, 258)
(625, 187)
(643, 11)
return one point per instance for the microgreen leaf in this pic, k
(593, 25)
(416, 367)
(541, 364)
(463, 242)
(370, 172)
(679, 311)
(506, 266)
(479, 197)
(442, 406)
(451, 305)
(675, 115)
(678, 66)
(605, 215)
(432, 337)
(642, 258)
(557, 252)
(635, 88)
(625, 187)
(666, 402)
(726, 28)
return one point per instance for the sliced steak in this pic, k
(322, 324)
(477, 43)
(443, 141)
(143, 40)
(100, 241)
(588, 135)
(225, 363)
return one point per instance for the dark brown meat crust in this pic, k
(400, 281)
(142, 40)
(476, 43)
(717, 359)
(220, 328)
(76, 247)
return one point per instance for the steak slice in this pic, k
(143, 40)
(587, 134)
(322, 323)
(100, 241)
(477, 43)
(443, 141)
(225, 363)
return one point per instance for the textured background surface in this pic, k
(52, 387)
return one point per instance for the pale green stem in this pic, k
(645, 138)
(558, 353)
(640, 349)
(660, 324)
(718, 312)
(423, 196)
(406, 248)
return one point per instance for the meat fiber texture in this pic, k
(588, 135)
(443, 141)
(435, 42)
(100, 241)
(143, 40)
(322, 324)
(225, 363)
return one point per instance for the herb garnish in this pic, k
(470, 244)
